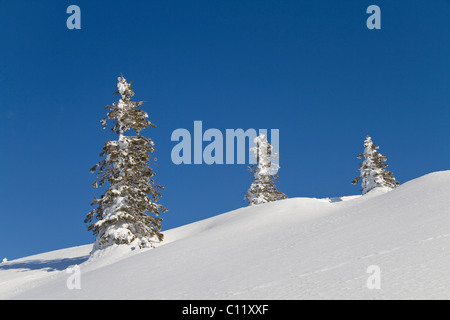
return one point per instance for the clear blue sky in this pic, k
(311, 69)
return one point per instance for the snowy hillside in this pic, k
(299, 248)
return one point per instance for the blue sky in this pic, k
(311, 69)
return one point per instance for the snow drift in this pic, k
(299, 248)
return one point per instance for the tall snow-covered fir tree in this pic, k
(372, 170)
(121, 212)
(263, 188)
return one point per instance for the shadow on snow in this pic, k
(38, 264)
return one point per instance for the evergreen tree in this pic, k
(263, 189)
(372, 169)
(121, 210)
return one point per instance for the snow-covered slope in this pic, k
(298, 248)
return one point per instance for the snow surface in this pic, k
(299, 248)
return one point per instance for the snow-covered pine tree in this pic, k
(263, 188)
(372, 169)
(121, 210)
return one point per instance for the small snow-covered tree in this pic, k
(263, 188)
(372, 170)
(121, 212)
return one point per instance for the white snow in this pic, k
(298, 248)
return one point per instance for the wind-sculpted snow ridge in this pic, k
(298, 248)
